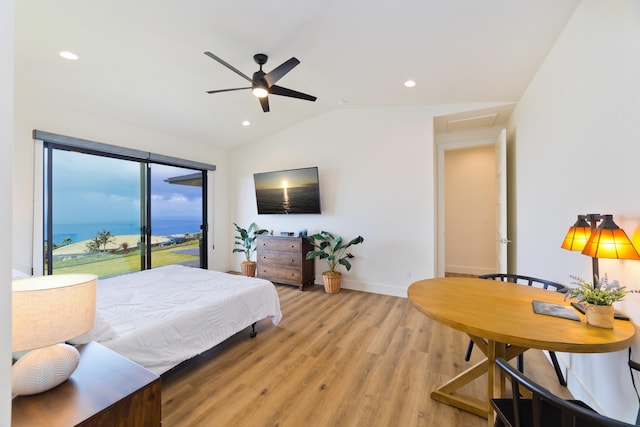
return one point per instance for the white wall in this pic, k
(577, 144)
(470, 210)
(376, 170)
(6, 146)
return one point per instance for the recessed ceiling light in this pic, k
(409, 83)
(69, 55)
(246, 123)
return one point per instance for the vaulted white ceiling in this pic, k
(143, 62)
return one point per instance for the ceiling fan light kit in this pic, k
(263, 84)
(260, 92)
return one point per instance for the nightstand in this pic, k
(106, 390)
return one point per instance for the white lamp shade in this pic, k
(48, 310)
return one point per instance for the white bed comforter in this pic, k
(164, 316)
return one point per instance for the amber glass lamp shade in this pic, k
(578, 235)
(610, 241)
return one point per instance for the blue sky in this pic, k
(89, 189)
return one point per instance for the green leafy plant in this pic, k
(603, 293)
(332, 249)
(245, 239)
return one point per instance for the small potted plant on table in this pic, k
(332, 249)
(245, 241)
(597, 299)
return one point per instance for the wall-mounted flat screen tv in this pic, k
(293, 191)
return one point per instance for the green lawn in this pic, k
(106, 265)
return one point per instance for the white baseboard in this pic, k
(374, 288)
(223, 268)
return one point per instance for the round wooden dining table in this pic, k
(500, 319)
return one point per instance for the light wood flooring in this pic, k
(346, 359)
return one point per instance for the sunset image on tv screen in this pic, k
(294, 191)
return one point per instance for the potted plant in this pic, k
(598, 299)
(245, 241)
(332, 249)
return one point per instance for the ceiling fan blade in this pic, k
(282, 69)
(283, 91)
(265, 103)
(231, 67)
(227, 90)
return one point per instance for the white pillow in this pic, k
(102, 331)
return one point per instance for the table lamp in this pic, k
(46, 311)
(606, 240)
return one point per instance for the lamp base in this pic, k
(44, 368)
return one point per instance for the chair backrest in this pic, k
(526, 280)
(544, 403)
(634, 365)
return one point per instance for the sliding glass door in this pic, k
(110, 215)
(176, 207)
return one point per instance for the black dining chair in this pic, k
(529, 281)
(543, 408)
(634, 365)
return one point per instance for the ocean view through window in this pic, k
(85, 231)
(110, 215)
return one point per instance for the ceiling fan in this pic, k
(263, 84)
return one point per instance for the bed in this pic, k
(163, 316)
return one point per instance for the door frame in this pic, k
(502, 220)
(484, 137)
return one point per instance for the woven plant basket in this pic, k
(248, 268)
(332, 281)
(599, 315)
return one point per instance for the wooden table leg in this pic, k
(446, 393)
(496, 380)
(496, 383)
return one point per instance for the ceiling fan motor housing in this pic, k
(260, 59)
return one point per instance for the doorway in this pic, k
(470, 211)
(467, 217)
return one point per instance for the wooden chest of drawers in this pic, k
(282, 260)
